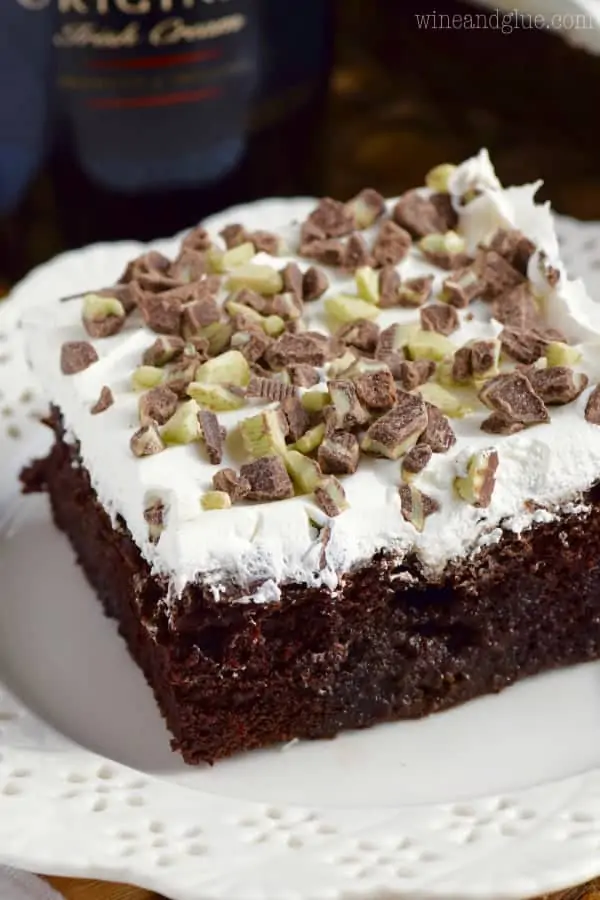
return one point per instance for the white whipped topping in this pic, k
(262, 545)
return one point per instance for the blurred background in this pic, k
(136, 118)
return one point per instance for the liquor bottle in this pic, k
(164, 111)
(24, 59)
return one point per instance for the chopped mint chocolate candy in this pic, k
(330, 252)
(430, 345)
(438, 434)
(557, 385)
(164, 349)
(287, 305)
(496, 273)
(145, 377)
(330, 496)
(218, 336)
(128, 294)
(524, 346)
(345, 308)
(156, 282)
(347, 410)
(497, 423)
(102, 316)
(414, 292)
(314, 284)
(160, 314)
(189, 266)
(477, 485)
(512, 395)
(292, 277)
(268, 389)
(439, 317)
(310, 347)
(234, 235)
(416, 506)
(310, 440)
(304, 472)
(367, 284)
(198, 315)
(438, 178)
(376, 390)
(392, 244)
(253, 299)
(263, 434)
(212, 435)
(389, 282)
(332, 218)
(516, 307)
(421, 215)
(243, 317)
(315, 401)
(157, 405)
(252, 343)
(338, 453)
(260, 278)
(445, 400)
(356, 253)
(592, 408)
(153, 261)
(183, 426)
(154, 516)
(146, 441)
(362, 334)
(462, 365)
(229, 368)
(215, 500)
(75, 356)
(274, 326)
(413, 373)
(103, 402)
(394, 339)
(447, 251)
(416, 460)
(560, 354)
(197, 239)
(180, 374)
(231, 483)
(514, 247)
(366, 207)
(266, 242)
(484, 358)
(268, 479)
(303, 375)
(216, 397)
(399, 429)
(462, 286)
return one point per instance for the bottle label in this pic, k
(163, 93)
(154, 93)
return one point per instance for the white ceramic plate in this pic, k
(500, 798)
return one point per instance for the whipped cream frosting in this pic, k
(259, 546)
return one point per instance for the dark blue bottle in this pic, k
(170, 109)
(25, 47)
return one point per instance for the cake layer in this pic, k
(537, 466)
(231, 678)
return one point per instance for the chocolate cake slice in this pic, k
(339, 472)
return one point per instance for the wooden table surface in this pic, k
(386, 129)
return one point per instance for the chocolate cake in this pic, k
(338, 472)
